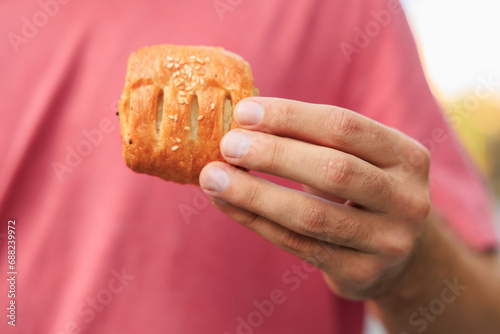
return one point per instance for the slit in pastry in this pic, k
(194, 110)
(159, 112)
(227, 115)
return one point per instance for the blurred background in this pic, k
(460, 48)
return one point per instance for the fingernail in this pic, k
(235, 144)
(215, 179)
(249, 113)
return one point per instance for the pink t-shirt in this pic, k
(101, 249)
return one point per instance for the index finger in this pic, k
(325, 125)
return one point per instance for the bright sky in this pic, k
(460, 40)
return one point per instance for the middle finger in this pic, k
(322, 168)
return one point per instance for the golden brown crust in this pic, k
(163, 133)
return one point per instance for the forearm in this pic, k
(447, 288)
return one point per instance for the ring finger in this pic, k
(307, 215)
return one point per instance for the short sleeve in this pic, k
(385, 81)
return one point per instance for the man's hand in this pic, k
(367, 190)
(366, 219)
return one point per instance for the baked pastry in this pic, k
(176, 106)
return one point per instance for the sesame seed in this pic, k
(186, 101)
(207, 59)
(177, 65)
(169, 58)
(200, 117)
(174, 148)
(202, 81)
(187, 128)
(178, 140)
(199, 60)
(177, 59)
(192, 57)
(170, 65)
(197, 67)
(176, 118)
(212, 106)
(171, 116)
(181, 93)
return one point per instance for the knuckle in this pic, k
(419, 207)
(426, 157)
(343, 126)
(312, 218)
(252, 221)
(426, 164)
(399, 246)
(322, 257)
(293, 242)
(346, 231)
(414, 205)
(381, 185)
(419, 158)
(338, 173)
(422, 208)
(364, 273)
